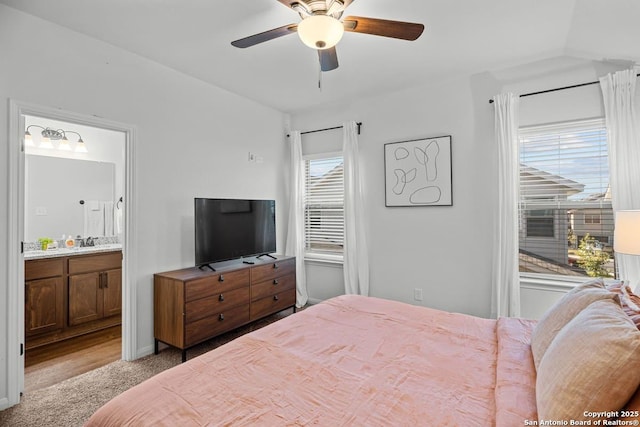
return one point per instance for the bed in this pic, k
(354, 361)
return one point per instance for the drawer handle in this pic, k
(102, 280)
(221, 317)
(221, 297)
(275, 298)
(275, 281)
(221, 278)
(275, 265)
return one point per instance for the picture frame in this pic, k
(419, 172)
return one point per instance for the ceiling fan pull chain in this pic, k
(320, 80)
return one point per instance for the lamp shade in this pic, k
(320, 31)
(28, 140)
(81, 147)
(626, 236)
(46, 143)
(64, 144)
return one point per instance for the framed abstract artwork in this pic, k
(418, 172)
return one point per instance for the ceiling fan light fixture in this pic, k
(320, 31)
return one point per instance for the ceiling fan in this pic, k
(322, 28)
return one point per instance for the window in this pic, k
(540, 223)
(592, 218)
(566, 218)
(324, 207)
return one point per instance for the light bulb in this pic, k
(64, 144)
(320, 31)
(81, 147)
(28, 139)
(46, 143)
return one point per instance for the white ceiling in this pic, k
(461, 37)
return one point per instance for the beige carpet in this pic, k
(72, 402)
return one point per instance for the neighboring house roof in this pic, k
(337, 172)
(533, 263)
(600, 197)
(539, 183)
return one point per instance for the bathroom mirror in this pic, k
(54, 189)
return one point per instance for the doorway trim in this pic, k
(15, 261)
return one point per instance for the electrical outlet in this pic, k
(40, 211)
(417, 294)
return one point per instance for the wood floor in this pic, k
(54, 363)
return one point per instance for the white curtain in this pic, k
(623, 136)
(505, 298)
(295, 231)
(356, 259)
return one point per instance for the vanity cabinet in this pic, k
(95, 288)
(69, 296)
(44, 296)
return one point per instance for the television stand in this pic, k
(191, 306)
(201, 267)
(270, 256)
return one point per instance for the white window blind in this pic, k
(324, 205)
(565, 213)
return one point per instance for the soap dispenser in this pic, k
(70, 242)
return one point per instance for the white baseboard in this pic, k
(4, 404)
(144, 351)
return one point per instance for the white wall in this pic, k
(192, 140)
(446, 251)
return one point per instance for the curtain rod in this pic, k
(325, 129)
(557, 89)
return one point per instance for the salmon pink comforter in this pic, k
(349, 361)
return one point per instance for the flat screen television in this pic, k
(228, 229)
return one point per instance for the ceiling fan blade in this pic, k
(328, 59)
(265, 36)
(383, 27)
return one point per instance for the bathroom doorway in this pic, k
(118, 245)
(73, 204)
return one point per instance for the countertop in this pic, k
(60, 252)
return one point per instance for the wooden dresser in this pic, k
(191, 305)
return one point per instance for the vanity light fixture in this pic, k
(49, 134)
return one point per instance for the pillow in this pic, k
(591, 365)
(631, 410)
(630, 302)
(614, 286)
(562, 312)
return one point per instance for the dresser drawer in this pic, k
(219, 322)
(203, 307)
(272, 304)
(216, 284)
(43, 268)
(272, 270)
(272, 287)
(87, 264)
